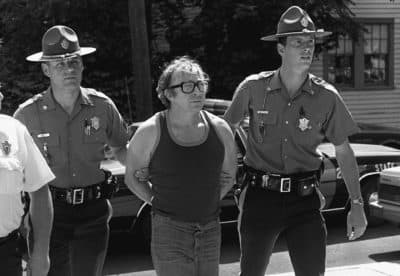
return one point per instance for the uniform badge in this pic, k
(95, 123)
(304, 21)
(304, 124)
(64, 44)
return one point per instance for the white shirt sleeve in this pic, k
(36, 171)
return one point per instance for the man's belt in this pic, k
(13, 235)
(77, 196)
(301, 183)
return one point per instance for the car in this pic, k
(386, 205)
(377, 134)
(133, 215)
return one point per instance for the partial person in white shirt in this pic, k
(23, 169)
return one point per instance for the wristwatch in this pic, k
(357, 201)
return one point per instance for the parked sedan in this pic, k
(387, 203)
(132, 214)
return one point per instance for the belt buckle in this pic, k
(286, 184)
(78, 196)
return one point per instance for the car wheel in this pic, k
(369, 192)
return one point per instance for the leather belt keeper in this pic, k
(78, 196)
(302, 183)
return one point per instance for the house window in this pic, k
(365, 64)
(376, 54)
(340, 63)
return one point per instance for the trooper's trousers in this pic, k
(265, 215)
(79, 238)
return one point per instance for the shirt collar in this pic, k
(275, 83)
(48, 101)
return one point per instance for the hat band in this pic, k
(63, 56)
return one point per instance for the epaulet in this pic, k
(323, 84)
(95, 93)
(261, 75)
(31, 100)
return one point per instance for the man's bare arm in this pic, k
(41, 216)
(356, 222)
(229, 166)
(137, 160)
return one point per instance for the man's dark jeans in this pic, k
(267, 214)
(10, 258)
(79, 238)
(185, 248)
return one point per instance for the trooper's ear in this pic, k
(45, 69)
(280, 48)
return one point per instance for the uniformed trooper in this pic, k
(291, 111)
(23, 169)
(71, 125)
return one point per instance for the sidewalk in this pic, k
(372, 269)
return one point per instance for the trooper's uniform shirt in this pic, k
(285, 131)
(74, 144)
(22, 168)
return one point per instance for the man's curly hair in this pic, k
(181, 63)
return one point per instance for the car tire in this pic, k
(369, 187)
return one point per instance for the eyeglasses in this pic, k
(188, 87)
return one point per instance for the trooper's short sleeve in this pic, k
(340, 123)
(117, 133)
(240, 104)
(36, 171)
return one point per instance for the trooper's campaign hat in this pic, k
(295, 21)
(60, 42)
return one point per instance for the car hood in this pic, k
(113, 166)
(361, 150)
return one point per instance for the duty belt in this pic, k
(299, 182)
(77, 196)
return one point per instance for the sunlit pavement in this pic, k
(371, 269)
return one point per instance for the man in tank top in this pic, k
(191, 160)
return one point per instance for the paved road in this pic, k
(378, 250)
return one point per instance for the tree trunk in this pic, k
(140, 60)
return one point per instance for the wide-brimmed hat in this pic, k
(296, 21)
(60, 42)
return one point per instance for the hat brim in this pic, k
(39, 57)
(317, 33)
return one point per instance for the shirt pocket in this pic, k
(264, 126)
(309, 131)
(94, 143)
(49, 146)
(11, 175)
(95, 136)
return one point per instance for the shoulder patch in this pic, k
(261, 75)
(323, 84)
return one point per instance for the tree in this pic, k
(101, 24)
(225, 36)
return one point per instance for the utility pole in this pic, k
(142, 87)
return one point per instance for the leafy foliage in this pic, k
(223, 35)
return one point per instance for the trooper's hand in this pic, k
(356, 222)
(39, 264)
